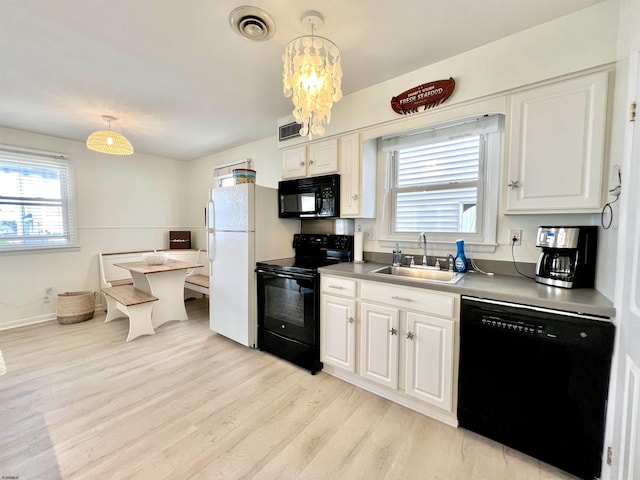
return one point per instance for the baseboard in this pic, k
(22, 322)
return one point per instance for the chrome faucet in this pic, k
(397, 257)
(422, 242)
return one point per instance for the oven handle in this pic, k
(293, 276)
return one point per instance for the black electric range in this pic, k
(289, 298)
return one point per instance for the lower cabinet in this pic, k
(399, 342)
(430, 350)
(379, 344)
(337, 330)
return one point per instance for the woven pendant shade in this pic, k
(108, 141)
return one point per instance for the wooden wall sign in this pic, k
(428, 95)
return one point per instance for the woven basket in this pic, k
(74, 307)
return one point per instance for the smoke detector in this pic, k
(252, 23)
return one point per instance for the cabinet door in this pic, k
(337, 330)
(350, 175)
(429, 369)
(294, 162)
(379, 344)
(323, 157)
(556, 147)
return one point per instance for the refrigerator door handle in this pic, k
(211, 250)
(210, 215)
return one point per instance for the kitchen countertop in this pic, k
(498, 287)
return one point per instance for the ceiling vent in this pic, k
(289, 130)
(252, 23)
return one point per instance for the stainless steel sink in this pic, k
(437, 276)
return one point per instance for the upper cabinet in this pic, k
(555, 160)
(317, 158)
(357, 177)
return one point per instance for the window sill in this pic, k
(34, 249)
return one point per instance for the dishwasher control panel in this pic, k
(514, 326)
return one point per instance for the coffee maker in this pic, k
(568, 257)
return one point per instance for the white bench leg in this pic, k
(113, 311)
(140, 320)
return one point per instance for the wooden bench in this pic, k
(197, 280)
(135, 304)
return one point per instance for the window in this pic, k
(223, 174)
(443, 181)
(36, 201)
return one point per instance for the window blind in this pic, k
(37, 208)
(437, 183)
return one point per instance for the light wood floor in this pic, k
(78, 402)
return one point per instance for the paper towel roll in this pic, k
(358, 243)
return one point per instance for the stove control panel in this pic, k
(323, 241)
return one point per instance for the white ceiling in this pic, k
(183, 85)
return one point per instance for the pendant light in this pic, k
(108, 141)
(312, 77)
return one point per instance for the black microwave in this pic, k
(311, 197)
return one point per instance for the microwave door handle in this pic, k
(318, 203)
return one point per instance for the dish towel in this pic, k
(3, 366)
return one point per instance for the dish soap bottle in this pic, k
(461, 259)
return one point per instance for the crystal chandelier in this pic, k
(312, 77)
(108, 141)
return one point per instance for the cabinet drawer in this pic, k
(338, 286)
(435, 303)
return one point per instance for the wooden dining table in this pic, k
(166, 283)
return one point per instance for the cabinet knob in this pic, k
(302, 164)
(354, 196)
(350, 320)
(310, 162)
(409, 336)
(393, 331)
(513, 184)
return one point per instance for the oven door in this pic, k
(287, 304)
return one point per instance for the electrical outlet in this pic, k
(515, 236)
(46, 300)
(368, 234)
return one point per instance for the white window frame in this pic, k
(38, 158)
(223, 174)
(484, 240)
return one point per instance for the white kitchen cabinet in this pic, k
(338, 322)
(317, 158)
(556, 147)
(395, 341)
(379, 344)
(294, 162)
(424, 321)
(429, 365)
(357, 177)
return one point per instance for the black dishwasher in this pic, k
(536, 380)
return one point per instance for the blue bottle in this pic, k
(461, 259)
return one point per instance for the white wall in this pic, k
(124, 203)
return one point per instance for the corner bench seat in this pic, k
(135, 304)
(197, 282)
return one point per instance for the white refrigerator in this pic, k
(242, 228)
